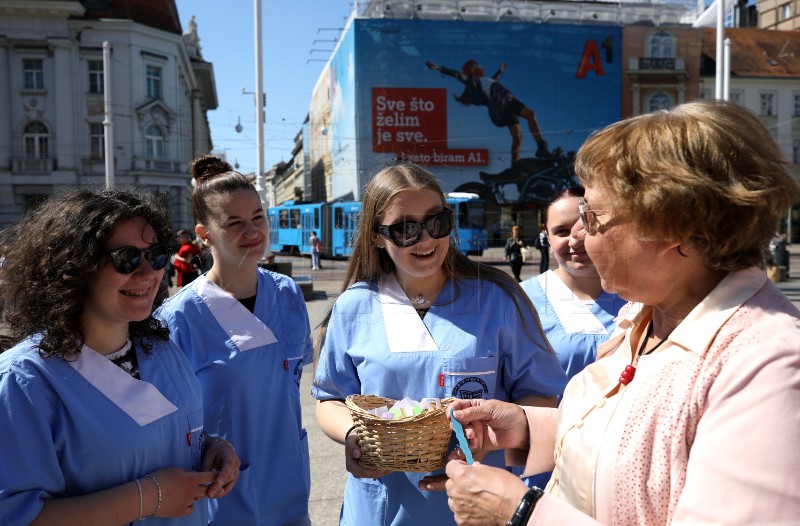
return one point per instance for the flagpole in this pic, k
(726, 79)
(720, 46)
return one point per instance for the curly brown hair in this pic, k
(705, 173)
(54, 252)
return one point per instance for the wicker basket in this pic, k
(414, 443)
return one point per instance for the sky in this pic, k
(292, 32)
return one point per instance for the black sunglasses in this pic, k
(407, 233)
(128, 259)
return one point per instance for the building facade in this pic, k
(52, 85)
(779, 14)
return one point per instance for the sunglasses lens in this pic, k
(158, 256)
(405, 234)
(440, 225)
(126, 259)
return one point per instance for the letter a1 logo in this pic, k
(590, 60)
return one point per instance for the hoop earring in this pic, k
(678, 248)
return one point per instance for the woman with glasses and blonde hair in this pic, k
(689, 415)
(103, 416)
(416, 318)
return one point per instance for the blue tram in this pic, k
(335, 223)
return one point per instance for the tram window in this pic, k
(295, 222)
(475, 215)
(284, 218)
(316, 218)
(337, 218)
(462, 219)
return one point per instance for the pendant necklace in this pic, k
(630, 370)
(419, 300)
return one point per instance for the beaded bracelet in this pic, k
(139, 487)
(158, 489)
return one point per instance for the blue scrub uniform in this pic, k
(574, 340)
(573, 327)
(481, 351)
(249, 366)
(78, 427)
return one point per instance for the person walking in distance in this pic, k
(514, 246)
(316, 250)
(542, 243)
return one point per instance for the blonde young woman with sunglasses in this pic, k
(103, 416)
(416, 318)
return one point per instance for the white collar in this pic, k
(244, 329)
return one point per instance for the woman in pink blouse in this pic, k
(690, 413)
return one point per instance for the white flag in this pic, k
(709, 17)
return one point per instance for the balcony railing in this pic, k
(657, 64)
(158, 165)
(32, 166)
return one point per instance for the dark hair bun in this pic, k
(207, 166)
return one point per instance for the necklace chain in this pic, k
(647, 335)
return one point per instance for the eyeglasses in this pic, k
(589, 217)
(407, 233)
(128, 259)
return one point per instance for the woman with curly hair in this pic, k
(104, 415)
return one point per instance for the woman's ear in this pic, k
(203, 234)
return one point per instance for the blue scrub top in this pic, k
(252, 396)
(484, 352)
(575, 351)
(74, 429)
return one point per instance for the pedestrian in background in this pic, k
(102, 414)
(184, 261)
(417, 318)
(689, 415)
(514, 246)
(316, 250)
(542, 244)
(246, 333)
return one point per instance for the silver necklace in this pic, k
(419, 300)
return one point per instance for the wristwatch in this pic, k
(525, 508)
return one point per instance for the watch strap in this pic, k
(525, 507)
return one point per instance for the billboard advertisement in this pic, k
(489, 107)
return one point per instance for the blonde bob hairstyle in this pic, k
(706, 174)
(369, 264)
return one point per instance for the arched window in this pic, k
(154, 142)
(36, 139)
(659, 101)
(662, 45)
